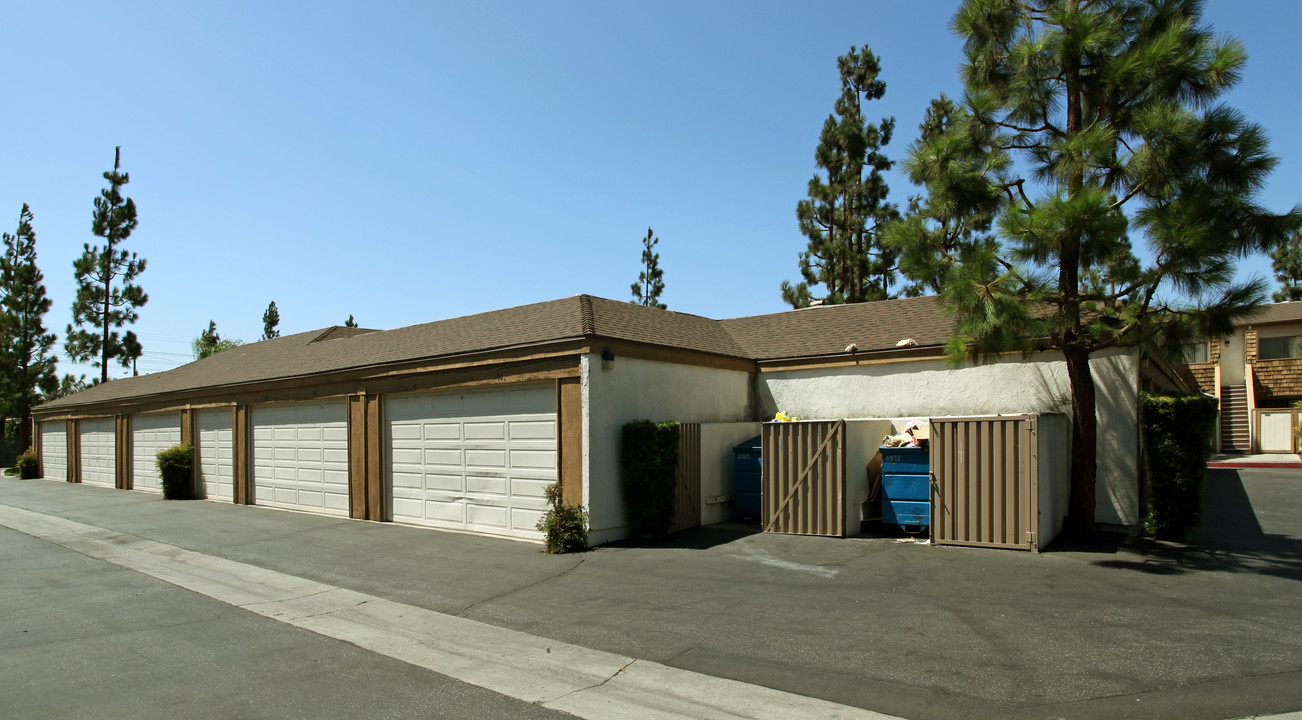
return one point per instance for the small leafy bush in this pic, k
(1177, 435)
(649, 460)
(29, 465)
(1297, 431)
(176, 470)
(564, 526)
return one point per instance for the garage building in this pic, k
(462, 423)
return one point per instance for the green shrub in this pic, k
(564, 526)
(1177, 434)
(176, 470)
(649, 464)
(29, 465)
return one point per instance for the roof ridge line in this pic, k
(323, 334)
(587, 318)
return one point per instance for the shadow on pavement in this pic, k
(697, 538)
(1230, 539)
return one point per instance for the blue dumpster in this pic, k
(906, 486)
(747, 478)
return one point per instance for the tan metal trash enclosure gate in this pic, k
(803, 490)
(995, 481)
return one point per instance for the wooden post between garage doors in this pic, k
(188, 437)
(122, 451)
(569, 406)
(243, 455)
(74, 453)
(365, 457)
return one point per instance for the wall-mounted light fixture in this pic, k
(607, 359)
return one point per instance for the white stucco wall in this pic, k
(1054, 468)
(1013, 386)
(643, 390)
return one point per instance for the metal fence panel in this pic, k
(687, 504)
(804, 484)
(985, 481)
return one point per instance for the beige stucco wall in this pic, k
(643, 390)
(718, 466)
(1277, 330)
(1232, 372)
(1011, 386)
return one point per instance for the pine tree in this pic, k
(270, 319)
(650, 282)
(131, 352)
(846, 211)
(1287, 264)
(951, 159)
(102, 307)
(68, 385)
(1108, 109)
(203, 345)
(350, 322)
(210, 343)
(27, 363)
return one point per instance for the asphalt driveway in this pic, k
(1210, 629)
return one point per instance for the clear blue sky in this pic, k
(408, 162)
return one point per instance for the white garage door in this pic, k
(475, 461)
(97, 454)
(1276, 431)
(300, 457)
(54, 449)
(149, 434)
(216, 454)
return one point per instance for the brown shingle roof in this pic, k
(793, 334)
(301, 354)
(635, 323)
(1277, 313)
(829, 329)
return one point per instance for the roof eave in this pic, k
(576, 343)
(913, 352)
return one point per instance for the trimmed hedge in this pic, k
(176, 470)
(1177, 434)
(649, 464)
(564, 526)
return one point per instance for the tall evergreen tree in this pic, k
(107, 298)
(350, 322)
(28, 366)
(1286, 261)
(1108, 108)
(845, 212)
(131, 351)
(68, 385)
(951, 159)
(210, 343)
(270, 319)
(651, 281)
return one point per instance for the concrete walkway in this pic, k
(729, 623)
(1276, 461)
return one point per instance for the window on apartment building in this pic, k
(1195, 352)
(1279, 347)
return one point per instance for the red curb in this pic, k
(1235, 464)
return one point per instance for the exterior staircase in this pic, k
(1234, 419)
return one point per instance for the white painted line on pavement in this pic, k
(584, 682)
